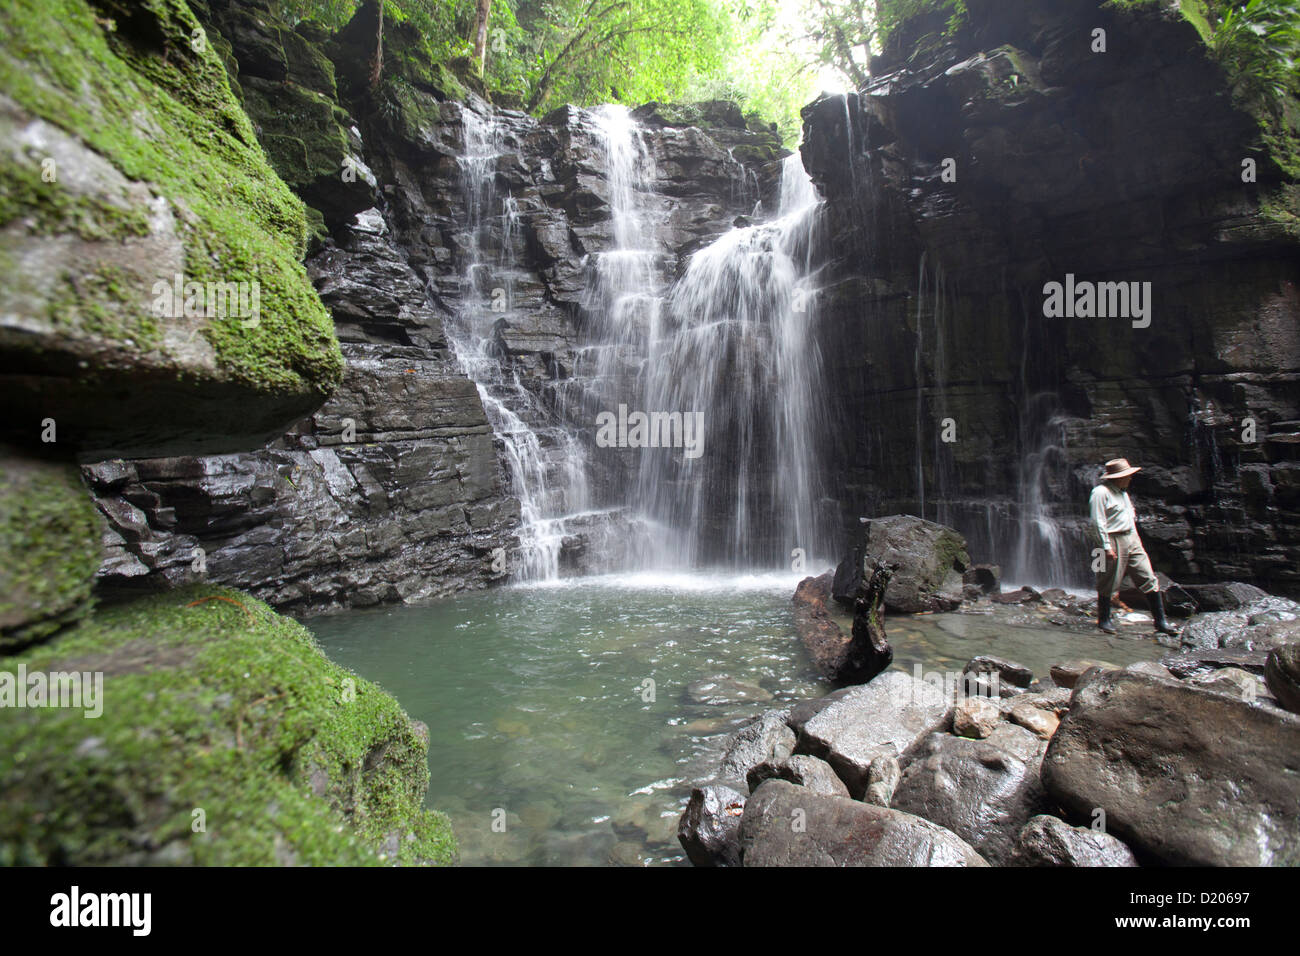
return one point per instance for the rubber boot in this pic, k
(1103, 613)
(1156, 601)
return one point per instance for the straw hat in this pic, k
(1119, 468)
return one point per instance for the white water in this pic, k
(729, 339)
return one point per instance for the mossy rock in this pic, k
(224, 737)
(127, 162)
(50, 535)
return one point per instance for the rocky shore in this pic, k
(1167, 762)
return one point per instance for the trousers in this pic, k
(1130, 558)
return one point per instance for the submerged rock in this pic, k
(785, 825)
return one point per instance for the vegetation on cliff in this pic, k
(138, 86)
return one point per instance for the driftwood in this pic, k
(844, 658)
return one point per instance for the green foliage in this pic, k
(891, 14)
(1259, 43)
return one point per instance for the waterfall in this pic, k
(735, 346)
(544, 460)
(730, 339)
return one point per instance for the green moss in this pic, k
(46, 208)
(159, 107)
(105, 302)
(212, 702)
(49, 549)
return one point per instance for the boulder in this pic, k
(1016, 740)
(1181, 773)
(1282, 674)
(1068, 674)
(882, 781)
(1231, 680)
(766, 740)
(50, 539)
(1224, 596)
(984, 577)
(1196, 663)
(1049, 841)
(709, 829)
(978, 791)
(1208, 630)
(887, 717)
(785, 825)
(931, 560)
(1010, 675)
(1025, 595)
(802, 770)
(975, 717)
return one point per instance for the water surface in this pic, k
(541, 716)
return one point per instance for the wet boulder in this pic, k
(800, 769)
(1181, 772)
(1049, 841)
(709, 828)
(786, 825)
(890, 716)
(1224, 596)
(1282, 674)
(1011, 676)
(765, 741)
(978, 791)
(931, 560)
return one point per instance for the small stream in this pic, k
(540, 715)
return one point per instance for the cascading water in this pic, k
(730, 339)
(735, 347)
(545, 462)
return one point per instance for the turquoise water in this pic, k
(547, 743)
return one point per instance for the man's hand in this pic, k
(1110, 553)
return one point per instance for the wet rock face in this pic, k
(1120, 167)
(1182, 772)
(396, 489)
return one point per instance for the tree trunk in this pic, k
(481, 14)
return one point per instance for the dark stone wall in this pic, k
(1124, 166)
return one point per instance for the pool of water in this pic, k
(567, 722)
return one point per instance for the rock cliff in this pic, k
(982, 164)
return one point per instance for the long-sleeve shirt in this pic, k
(1111, 511)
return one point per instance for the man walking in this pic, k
(1115, 525)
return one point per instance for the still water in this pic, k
(580, 713)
